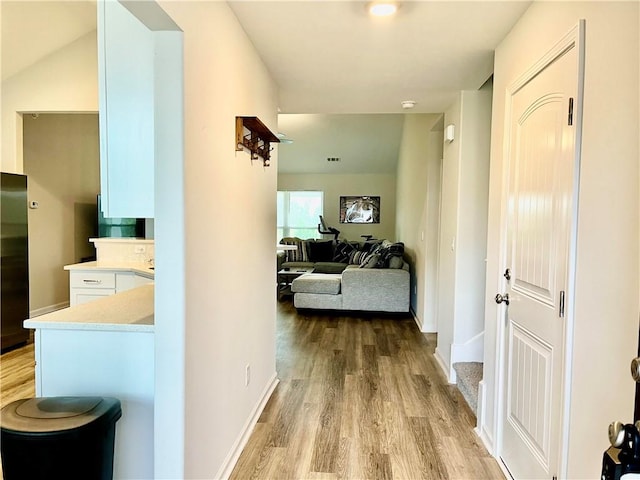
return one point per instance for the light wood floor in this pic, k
(17, 374)
(361, 398)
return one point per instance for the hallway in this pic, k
(361, 397)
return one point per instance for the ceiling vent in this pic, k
(333, 159)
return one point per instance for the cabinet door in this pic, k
(86, 295)
(126, 79)
(125, 281)
(142, 280)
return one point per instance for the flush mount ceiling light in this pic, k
(408, 104)
(382, 9)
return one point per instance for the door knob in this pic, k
(502, 298)
(616, 434)
(635, 369)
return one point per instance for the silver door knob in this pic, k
(616, 434)
(635, 369)
(502, 298)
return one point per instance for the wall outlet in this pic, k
(247, 375)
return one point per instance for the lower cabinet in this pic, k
(88, 285)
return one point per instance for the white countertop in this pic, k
(131, 311)
(140, 268)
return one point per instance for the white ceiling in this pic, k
(31, 30)
(327, 57)
(332, 57)
(363, 142)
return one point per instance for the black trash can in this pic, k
(59, 437)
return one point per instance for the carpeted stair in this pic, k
(469, 375)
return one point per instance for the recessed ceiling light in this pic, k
(383, 9)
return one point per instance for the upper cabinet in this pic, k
(136, 67)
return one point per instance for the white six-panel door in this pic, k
(541, 162)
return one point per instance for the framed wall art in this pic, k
(359, 209)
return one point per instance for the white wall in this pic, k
(333, 186)
(65, 81)
(229, 231)
(461, 266)
(416, 207)
(61, 160)
(607, 303)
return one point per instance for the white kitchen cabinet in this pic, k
(79, 296)
(126, 91)
(86, 285)
(105, 348)
(129, 280)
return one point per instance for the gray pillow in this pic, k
(371, 261)
(396, 262)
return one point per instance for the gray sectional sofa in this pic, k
(362, 289)
(366, 276)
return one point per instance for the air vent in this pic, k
(333, 159)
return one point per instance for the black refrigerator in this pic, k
(14, 261)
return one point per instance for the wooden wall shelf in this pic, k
(257, 141)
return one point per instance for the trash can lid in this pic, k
(58, 414)
(57, 407)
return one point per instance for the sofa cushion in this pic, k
(294, 265)
(329, 267)
(327, 283)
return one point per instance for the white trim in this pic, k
(575, 38)
(232, 458)
(417, 320)
(470, 351)
(579, 39)
(51, 308)
(449, 372)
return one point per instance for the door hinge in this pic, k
(570, 110)
(561, 303)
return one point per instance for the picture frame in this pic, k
(360, 209)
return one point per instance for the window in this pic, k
(299, 214)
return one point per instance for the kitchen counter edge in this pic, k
(139, 268)
(131, 311)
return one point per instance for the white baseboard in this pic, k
(44, 310)
(481, 399)
(233, 456)
(449, 373)
(416, 319)
(481, 431)
(470, 351)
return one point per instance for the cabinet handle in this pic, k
(92, 281)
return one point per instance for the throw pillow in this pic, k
(356, 257)
(292, 255)
(389, 252)
(371, 261)
(320, 251)
(343, 251)
(396, 262)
